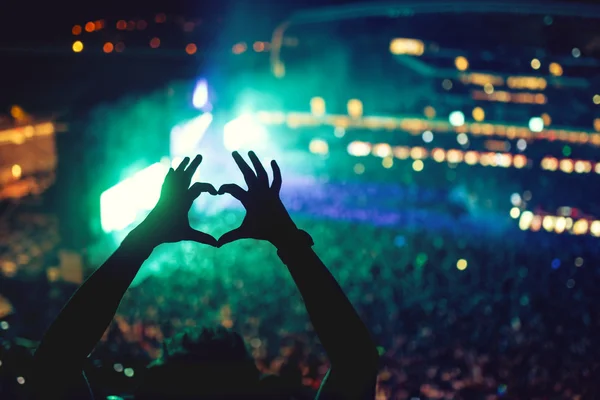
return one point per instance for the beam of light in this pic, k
(186, 138)
(200, 97)
(122, 204)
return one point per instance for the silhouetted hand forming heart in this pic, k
(266, 216)
(168, 222)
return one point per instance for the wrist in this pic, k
(293, 244)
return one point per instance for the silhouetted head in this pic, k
(211, 363)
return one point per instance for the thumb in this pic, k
(232, 236)
(200, 237)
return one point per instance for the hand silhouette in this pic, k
(168, 222)
(266, 217)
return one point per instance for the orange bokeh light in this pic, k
(90, 26)
(108, 47)
(121, 25)
(76, 30)
(191, 48)
(155, 43)
(239, 48)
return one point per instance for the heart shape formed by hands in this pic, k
(266, 217)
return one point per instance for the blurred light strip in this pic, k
(416, 126)
(481, 79)
(528, 221)
(23, 133)
(452, 156)
(569, 166)
(508, 97)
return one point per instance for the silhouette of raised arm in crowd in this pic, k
(60, 357)
(347, 342)
(215, 362)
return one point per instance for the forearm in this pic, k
(334, 319)
(81, 323)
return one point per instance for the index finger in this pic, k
(249, 175)
(191, 169)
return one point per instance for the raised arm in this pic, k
(352, 353)
(58, 361)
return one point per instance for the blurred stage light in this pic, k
(185, 138)
(200, 97)
(124, 203)
(457, 118)
(536, 124)
(243, 132)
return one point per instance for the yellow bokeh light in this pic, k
(555, 69)
(546, 118)
(429, 112)
(318, 146)
(417, 165)
(461, 63)
(355, 108)
(580, 227)
(596, 99)
(387, 162)
(461, 264)
(412, 47)
(78, 46)
(595, 228)
(488, 88)
(535, 63)
(317, 106)
(515, 212)
(16, 171)
(478, 114)
(525, 220)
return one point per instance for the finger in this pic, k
(232, 236)
(201, 237)
(249, 175)
(261, 174)
(200, 187)
(183, 164)
(168, 178)
(233, 190)
(276, 185)
(191, 170)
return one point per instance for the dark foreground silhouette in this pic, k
(212, 363)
